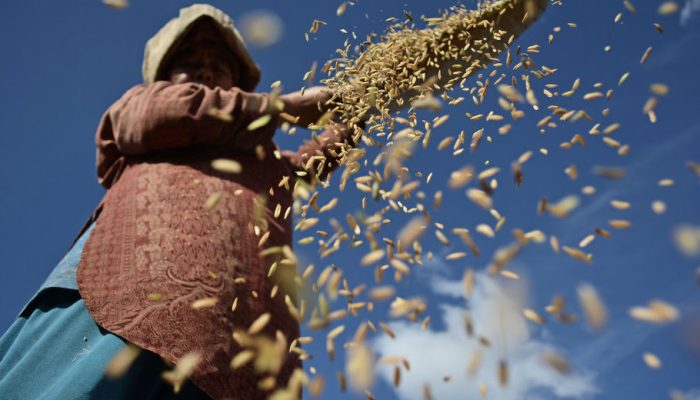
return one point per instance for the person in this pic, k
(174, 232)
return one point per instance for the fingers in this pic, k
(309, 106)
(318, 96)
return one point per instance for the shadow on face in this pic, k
(202, 57)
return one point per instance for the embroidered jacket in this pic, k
(155, 247)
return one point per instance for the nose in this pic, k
(204, 74)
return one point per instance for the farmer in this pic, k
(179, 254)
(152, 249)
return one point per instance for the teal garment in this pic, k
(56, 350)
(64, 274)
(59, 352)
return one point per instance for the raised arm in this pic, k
(164, 116)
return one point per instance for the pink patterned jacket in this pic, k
(156, 248)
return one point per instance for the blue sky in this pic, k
(66, 63)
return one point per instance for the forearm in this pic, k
(308, 107)
(163, 116)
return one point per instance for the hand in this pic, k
(306, 106)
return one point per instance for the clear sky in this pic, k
(66, 62)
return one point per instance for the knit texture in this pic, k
(155, 239)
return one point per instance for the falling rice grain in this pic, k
(116, 4)
(331, 205)
(578, 254)
(480, 198)
(668, 8)
(372, 257)
(476, 139)
(225, 165)
(623, 78)
(382, 293)
(503, 373)
(460, 177)
(205, 303)
(485, 230)
(306, 223)
(442, 238)
(592, 306)
(533, 316)
(242, 358)
(260, 122)
(219, 114)
(387, 329)
(182, 371)
(121, 361)
(468, 282)
(588, 190)
(593, 96)
(413, 230)
(212, 200)
(619, 204)
(341, 8)
(509, 274)
(651, 360)
(657, 312)
(658, 206)
(659, 89)
(620, 223)
(259, 324)
(359, 367)
(613, 173)
(687, 239)
(586, 241)
(556, 361)
(440, 120)
(458, 255)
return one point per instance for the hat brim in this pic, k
(161, 47)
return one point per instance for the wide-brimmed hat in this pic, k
(170, 36)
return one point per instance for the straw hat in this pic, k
(166, 41)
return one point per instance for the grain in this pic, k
(122, 361)
(182, 371)
(227, 166)
(651, 360)
(592, 305)
(116, 4)
(259, 122)
(668, 8)
(259, 324)
(205, 303)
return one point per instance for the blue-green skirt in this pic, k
(56, 350)
(59, 352)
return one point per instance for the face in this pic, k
(203, 58)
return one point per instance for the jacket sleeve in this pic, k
(319, 156)
(164, 116)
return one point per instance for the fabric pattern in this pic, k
(155, 248)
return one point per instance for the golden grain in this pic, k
(592, 305)
(228, 166)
